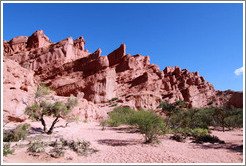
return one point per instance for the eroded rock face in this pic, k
(236, 99)
(69, 69)
(18, 88)
(37, 40)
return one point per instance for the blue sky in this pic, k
(199, 37)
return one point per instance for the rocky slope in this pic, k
(130, 80)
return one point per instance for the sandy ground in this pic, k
(118, 145)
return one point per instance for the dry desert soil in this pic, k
(121, 145)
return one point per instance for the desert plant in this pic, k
(192, 118)
(197, 132)
(42, 108)
(170, 108)
(235, 118)
(57, 152)
(119, 116)
(220, 115)
(82, 147)
(19, 133)
(42, 91)
(36, 147)
(7, 150)
(149, 124)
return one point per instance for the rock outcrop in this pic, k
(18, 87)
(69, 69)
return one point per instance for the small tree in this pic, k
(42, 108)
(221, 115)
(169, 108)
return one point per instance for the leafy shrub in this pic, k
(81, 147)
(199, 132)
(71, 103)
(7, 150)
(235, 120)
(19, 133)
(120, 116)
(42, 90)
(192, 118)
(148, 123)
(36, 147)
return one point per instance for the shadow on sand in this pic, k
(229, 146)
(36, 130)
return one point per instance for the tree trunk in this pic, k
(53, 125)
(43, 123)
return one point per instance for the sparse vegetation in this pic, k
(120, 115)
(42, 107)
(148, 123)
(19, 133)
(7, 150)
(186, 122)
(36, 147)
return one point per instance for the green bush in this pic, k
(82, 147)
(19, 133)
(199, 132)
(71, 103)
(192, 118)
(36, 147)
(120, 116)
(148, 123)
(7, 150)
(42, 90)
(235, 120)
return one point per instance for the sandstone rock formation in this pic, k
(69, 69)
(18, 87)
